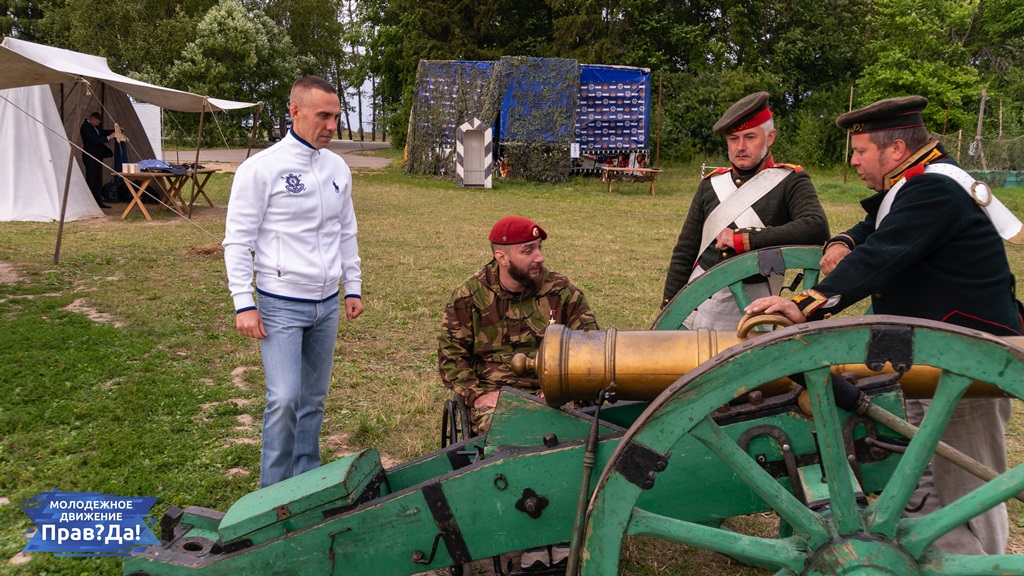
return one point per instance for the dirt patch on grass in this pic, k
(213, 249)
(80, 306)
(20, 558)
(234, 472)
(338, 444)
(245, 441)
(240, 402)
(8, 274)
(238, 377)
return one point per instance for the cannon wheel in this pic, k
(731, 273)
(845, 538)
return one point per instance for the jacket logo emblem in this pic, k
(336, 189)
(293, 183)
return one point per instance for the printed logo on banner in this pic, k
(88, 523)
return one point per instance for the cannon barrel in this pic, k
(574, 364)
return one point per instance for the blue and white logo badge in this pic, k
(88, 524)
(337, 190)
(293, 183)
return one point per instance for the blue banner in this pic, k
(613, 108)
(88, 523)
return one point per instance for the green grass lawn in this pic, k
(121, 371)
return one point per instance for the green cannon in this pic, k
(719, 427)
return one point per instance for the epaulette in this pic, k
(795, 167)
(716, 172)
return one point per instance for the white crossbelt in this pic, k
(739, 200)
(1007, 224)
(735, 205)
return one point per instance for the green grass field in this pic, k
(121, 371)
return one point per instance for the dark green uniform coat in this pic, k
(936, 255)
(791, 212)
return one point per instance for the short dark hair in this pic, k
(96, 115)
(312, 82)
(915, 138)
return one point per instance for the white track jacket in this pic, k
(290, 220)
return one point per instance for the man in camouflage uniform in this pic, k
(503, 309)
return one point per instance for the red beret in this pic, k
(516, 230)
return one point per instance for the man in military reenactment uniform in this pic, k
(501, 310)
(752, 204)
(931, 246)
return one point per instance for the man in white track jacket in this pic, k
(290, 221)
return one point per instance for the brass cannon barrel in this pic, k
(574, 365)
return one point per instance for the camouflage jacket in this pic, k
(484, 325)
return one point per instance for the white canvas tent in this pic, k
(152, 124)
(45, 95)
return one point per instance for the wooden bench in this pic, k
(611, 173)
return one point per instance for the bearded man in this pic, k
(754, 203)
(502, 310)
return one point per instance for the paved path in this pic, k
(345, 148)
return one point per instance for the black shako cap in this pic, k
(741, 112)
(888, 114)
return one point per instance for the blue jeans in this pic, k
(298, 354)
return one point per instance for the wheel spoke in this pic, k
(739, 294)
(940, 564)
(761, 482)
(888, 509)
(782, 553)
(833, 451)
(810, 278)
(917, 534)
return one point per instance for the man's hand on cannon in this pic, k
(776, 305)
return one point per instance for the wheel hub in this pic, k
(862, 555)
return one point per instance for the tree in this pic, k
(112, 28)
(238, 55)
(397, 34)
(315, 30)
(917, 47)
(21, 19)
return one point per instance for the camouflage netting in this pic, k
(538, 114)
(991, 160)
(534, 98)
(447, 95)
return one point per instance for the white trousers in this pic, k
(977, 428)
(720, 312)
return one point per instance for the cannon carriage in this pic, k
(705, 426)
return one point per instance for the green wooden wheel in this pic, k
(846, 537)
(731, 273)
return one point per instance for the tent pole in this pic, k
(846, 153)
(255, 125)
(67, 179)
(199, 144)
(657, 150)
